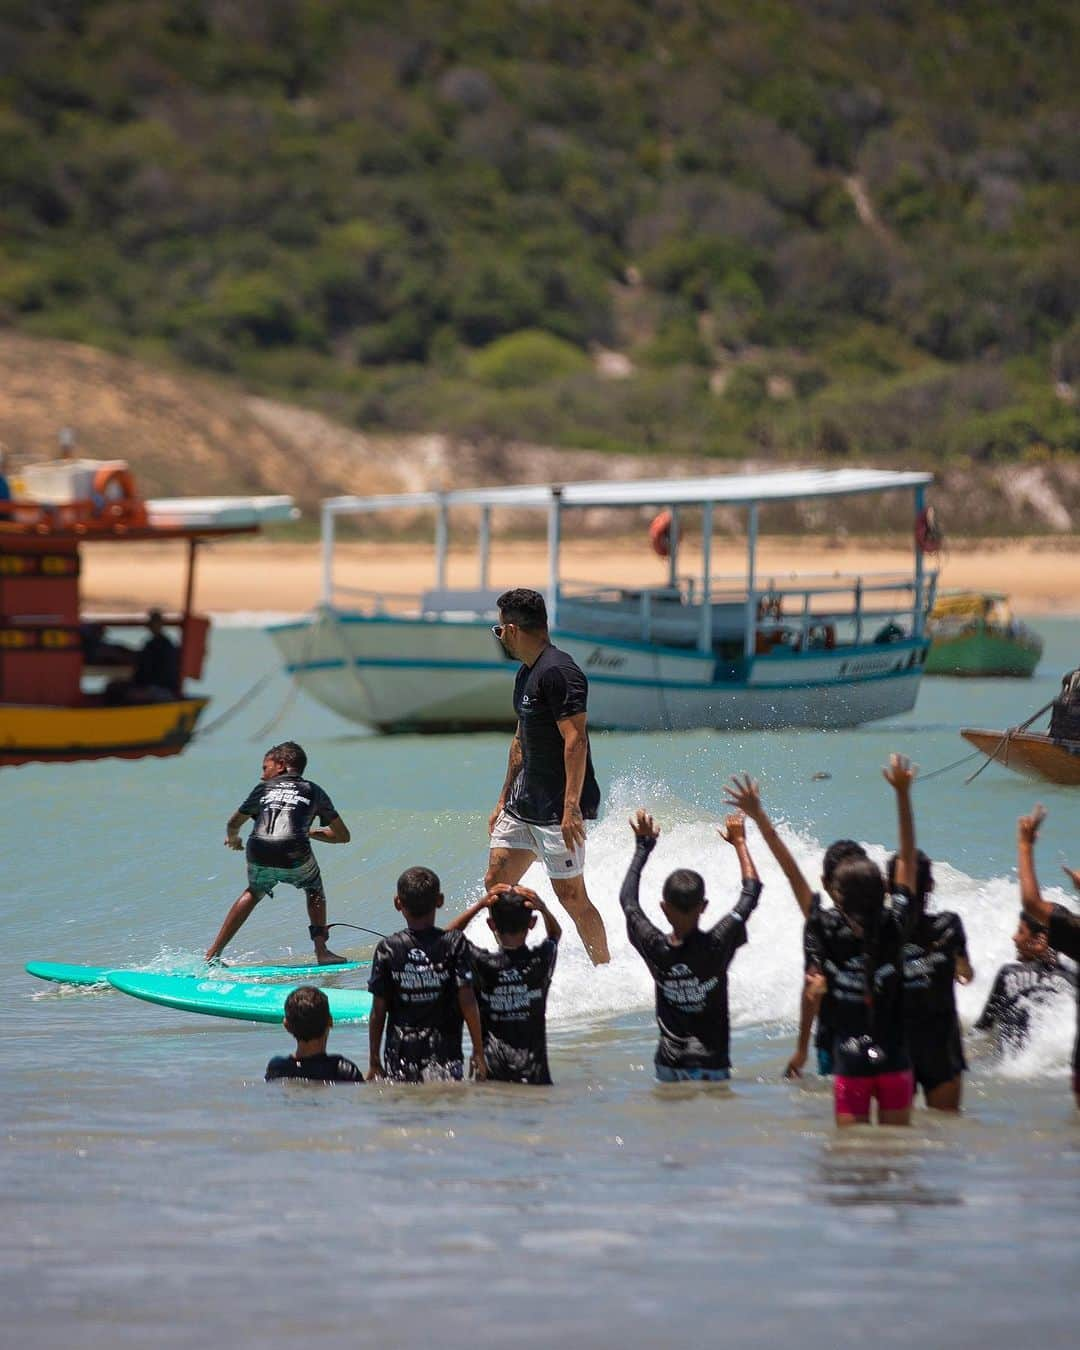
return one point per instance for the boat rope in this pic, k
(291, 693)
(242, 702)
(925, 777)
(1005, 740)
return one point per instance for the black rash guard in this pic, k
(1018, 988)
(863, 1013)
(512, 989)
(545, 694)
(283, 809)
(318, 1068)
(419, 973)
(1065, 938)
(690, 976)
(937, 942)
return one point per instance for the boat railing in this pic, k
(825, 610)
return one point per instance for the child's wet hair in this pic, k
(837, 852)
(307, 1013)
(509, 913)
(924, 874)
(418, 890)
(684, 890)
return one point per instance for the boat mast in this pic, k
(442, 542)
(327, 554)
(920, 504)
(484, 547)
(189, 600)
(750, 636)
(554, 541)
(705, 638)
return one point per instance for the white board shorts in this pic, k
(545, 841)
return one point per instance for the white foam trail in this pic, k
(766, 975)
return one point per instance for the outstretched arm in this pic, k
(1027, 829)
(733, 832)
(646, 833)
(745, 795)
(575, 761)
(900, 775)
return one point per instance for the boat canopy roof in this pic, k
(726, 489)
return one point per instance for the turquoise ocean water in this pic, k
(157, 1193)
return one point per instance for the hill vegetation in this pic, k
(824, 228)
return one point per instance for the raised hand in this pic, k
(644, 826)
(1027, 827)
(744, 794)
(733, 830)
(1073, 876)
(900, 773)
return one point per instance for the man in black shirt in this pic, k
(688, 965)
(1033, 980)
(550, 788)
(512, 983)
(157, 670)
(283, 806)
(421, 980)
(307, 1017)
(1063, 927)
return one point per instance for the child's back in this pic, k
(419, 973)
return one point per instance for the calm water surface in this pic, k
(157, 1193)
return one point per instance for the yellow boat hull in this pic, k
(30, 734)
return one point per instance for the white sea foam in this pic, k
(766, 975)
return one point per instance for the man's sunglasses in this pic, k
(499, 628)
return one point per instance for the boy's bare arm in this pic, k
(745, 795)
(809, 1005)
(471, 1013)
(232, 830)
(376, 1025)
(733, 832)
(462, 920)
(337, 832)
(1027, 830)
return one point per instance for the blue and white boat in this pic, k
(757, 651)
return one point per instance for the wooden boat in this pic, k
(57, 701)
(1033, 754)
(974, 633)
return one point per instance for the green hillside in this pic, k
(840, 227)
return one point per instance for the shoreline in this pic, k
(266, 576)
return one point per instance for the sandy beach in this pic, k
(1041, 576)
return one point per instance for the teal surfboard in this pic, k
(223, 997)
(59, 973)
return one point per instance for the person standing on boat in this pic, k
(550, 789)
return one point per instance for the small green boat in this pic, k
(974, 633)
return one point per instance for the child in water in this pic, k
(307, 1017)
(421, 979)
(512, 983)
(689, 965)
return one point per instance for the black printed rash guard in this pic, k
(283, 809)
(552, 689)
(1065, 938)
(862, 1009)
(419, 974)
(937, 942)
(1019, 988)
(316, 1068)
(511, 989)
(690, 976)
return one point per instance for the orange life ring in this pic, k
(119, 497)
(929, 535)
(660, 534)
